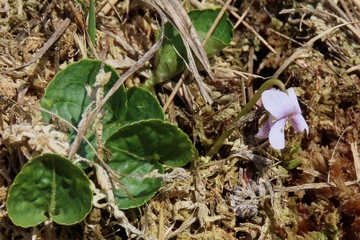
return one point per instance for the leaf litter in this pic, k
(248, 191)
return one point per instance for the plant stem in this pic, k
(149, 83)
(92, 22)
(266, 85)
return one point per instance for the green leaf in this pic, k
(292, 164)
(142, 105)
(151, 140)
(141, 190)
(169, 58)
(49, 186)
(66, 95)
(137, 149)
(222, 35)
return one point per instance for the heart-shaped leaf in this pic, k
(142, 105)
(67, 97)
(49, 186)
(151, 140)
(140, 189)
(66, 94)
(138, 149)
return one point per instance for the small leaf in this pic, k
(222, 35)
(151, 140)
(169, 58)
(292, 164)
(49, 186)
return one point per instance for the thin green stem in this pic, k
(266, 85)
(92, 22)
(149, 83)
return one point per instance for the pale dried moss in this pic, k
(206, 205)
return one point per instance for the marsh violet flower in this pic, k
(282, 107)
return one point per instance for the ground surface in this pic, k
(308, 190)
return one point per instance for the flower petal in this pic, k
(277, 136)
(277, 103)
(264, 131)
(299, 124)
(294, 99)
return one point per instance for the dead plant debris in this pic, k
(310, 190)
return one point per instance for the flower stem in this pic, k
(150, 83)
(265, 86)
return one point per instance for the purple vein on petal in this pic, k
(264, 131)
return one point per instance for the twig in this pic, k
(77, 16)
(308, 186)
(348, 13)
(307, 46)
(47, 45)
(91, 117)
(254, 32)
(355, 153)
(184, 75)
(240, 19)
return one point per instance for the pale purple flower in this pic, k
(282, 107)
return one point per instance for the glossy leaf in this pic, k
(49, 186)
(66, 95)
(151, 140)
(142, 105)
(138, 149)
(140, 189)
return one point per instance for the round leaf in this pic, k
(66, 94)
(151, 140)
(49, 186)
(142, 105)
(136, 149)
(67, 97)
(140, 189)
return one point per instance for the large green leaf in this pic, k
(169, 59)
(49, 186)
(138, 149)
(66, 95)
(151, 140)
(142, 105)
(140, 189)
